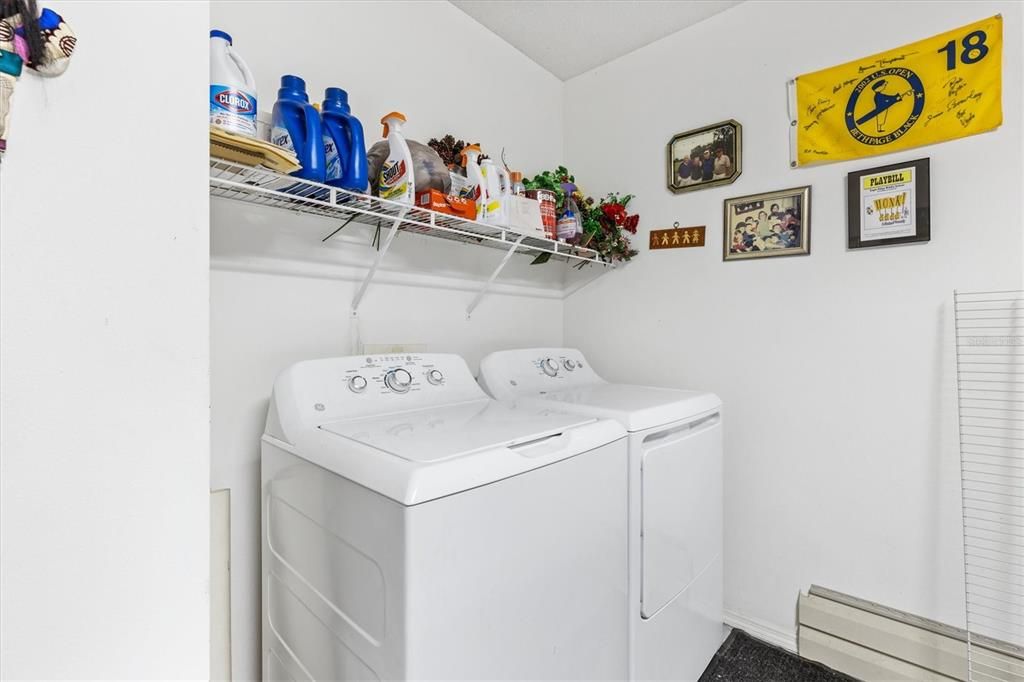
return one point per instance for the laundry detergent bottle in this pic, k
(344, 147)
(232, 88)
(297, 128)
(499, 189)
(396, 181)
(471, 160)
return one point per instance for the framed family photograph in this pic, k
(768, 224)
(705, 157)
(888, 205)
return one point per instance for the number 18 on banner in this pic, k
(974, 49)
(936, 89)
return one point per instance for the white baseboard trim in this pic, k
(762, 630)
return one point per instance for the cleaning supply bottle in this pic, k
(567, 224)
(471, 160)
(516, 178)
(498, 191)
(396, 181)
(506, 194)
(232, 88)
(297, 128)
(344, 147)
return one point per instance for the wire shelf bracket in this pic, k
(385, 245)
(490, 280)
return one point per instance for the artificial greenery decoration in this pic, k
(552, 181)
(605, 222)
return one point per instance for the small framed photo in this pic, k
(888, 205)
(768, 224)
(705, 157)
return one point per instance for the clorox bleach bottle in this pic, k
(297, 128)
(232, 88)
(499, 189)
(471, 160)
(343, 143)
(396, 181)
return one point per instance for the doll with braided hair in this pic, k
(42, 41)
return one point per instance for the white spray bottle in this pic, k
(396, 181)
(471, 160)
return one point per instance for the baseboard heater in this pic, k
(873, 642)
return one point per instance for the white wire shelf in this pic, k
(253, 185)
(262, 187)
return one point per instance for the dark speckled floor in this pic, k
(741, 658)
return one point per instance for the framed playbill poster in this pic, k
(888, 205)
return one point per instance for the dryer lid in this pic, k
(449, 432)
(638, 408)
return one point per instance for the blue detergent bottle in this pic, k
(297, 127)
(345, 149)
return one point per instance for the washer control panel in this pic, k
(350, 387)
(395, 374)
(507, 375)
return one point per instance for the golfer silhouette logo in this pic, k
(883, 102)
(884, 106)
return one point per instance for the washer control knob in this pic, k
(398, 380)
(569, 364)
(435, 377)
(357, 384)
(549, 366)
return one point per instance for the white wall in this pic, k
(104, 450)
(278, 296)
(836, 368)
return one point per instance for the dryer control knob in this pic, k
(398, 380)
(357, 384)
(569, 364)
(549, 366)
(435, 377)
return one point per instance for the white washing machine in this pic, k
(675, 499)
(415, 528)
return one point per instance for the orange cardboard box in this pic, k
(446, 203)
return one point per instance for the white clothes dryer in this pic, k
(415, 528)
(675, 499)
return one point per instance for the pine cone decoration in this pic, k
(450, 151)
(448, 148)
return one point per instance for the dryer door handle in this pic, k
(688, 428)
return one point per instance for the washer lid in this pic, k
(636, 407)
(416, 456)
(452, 431)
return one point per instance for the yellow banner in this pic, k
(937, 89)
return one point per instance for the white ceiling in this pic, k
(570, 37)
